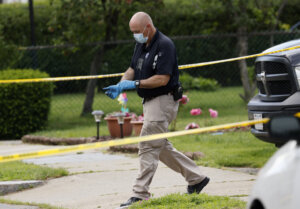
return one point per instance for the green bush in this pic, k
(205, 84)
(186, 80)
(24, 107)
(199, 83)
(8, 53)
(15, 23)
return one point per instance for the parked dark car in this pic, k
(278, 78)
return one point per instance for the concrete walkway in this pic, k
(104, 180)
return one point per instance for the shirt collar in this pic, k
(155, 37)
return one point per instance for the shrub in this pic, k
(15, 23)
(186, 80)
(8, 52)
(24, 107)
(199, 83)
(205, 84)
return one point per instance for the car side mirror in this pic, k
(286, 127)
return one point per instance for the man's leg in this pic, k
(181, 164)
(148, 156)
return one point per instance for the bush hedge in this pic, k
(24, 107)
(15, 23)
(199, 83)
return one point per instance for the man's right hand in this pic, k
(112, 91)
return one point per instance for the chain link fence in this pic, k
(68, 60)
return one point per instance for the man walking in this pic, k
(154, 73)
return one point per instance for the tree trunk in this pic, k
(279, 11)
(90, 90)
(111, 18)
(249, 89)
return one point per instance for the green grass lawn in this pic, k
(40, 206)
(194, 201)
(65, 119)
(232, 149)
(22, 171)
(229, 149)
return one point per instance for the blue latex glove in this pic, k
(114, 90)
(126, 85)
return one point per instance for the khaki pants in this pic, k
(158, 114)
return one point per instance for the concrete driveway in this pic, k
(101, 180)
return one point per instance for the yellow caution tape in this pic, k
(235, 59)
(297, 115)
(129, 140)
(69, 78)
(181, 67)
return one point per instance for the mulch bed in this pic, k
(61, 141)
(130, 148)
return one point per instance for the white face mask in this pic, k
(139, 37)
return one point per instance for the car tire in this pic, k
(256, 204)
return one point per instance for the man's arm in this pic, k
(154, 81)
(129, 74)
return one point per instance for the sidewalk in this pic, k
(104, 180)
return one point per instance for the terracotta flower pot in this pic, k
(114, 127)
(137, 127)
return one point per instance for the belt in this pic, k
(147, 99)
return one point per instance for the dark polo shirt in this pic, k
(159, 58)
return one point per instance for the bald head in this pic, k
(141, 22)
(140, 19)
